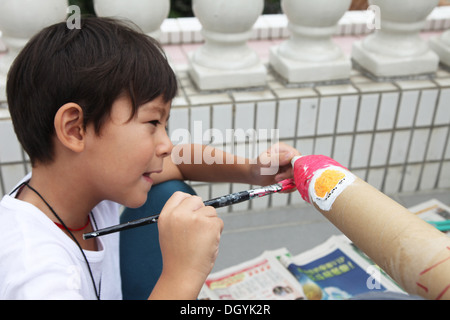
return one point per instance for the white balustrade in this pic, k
(310, 55)
(441, 45)
(19, 21)
(225, 60)
(148, 15)
(396, 48)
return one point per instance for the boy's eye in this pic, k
(154, 122)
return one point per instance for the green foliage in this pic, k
(272, 6)
(178, 8)
(86, 6)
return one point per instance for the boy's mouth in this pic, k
(147, 175)
(152, 172)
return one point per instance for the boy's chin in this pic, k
(136, 202)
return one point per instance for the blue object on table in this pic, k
(441, 225)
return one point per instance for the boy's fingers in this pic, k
(190, 203)
(193, 203)
(280, 154)
(176, 199)
(179, 196)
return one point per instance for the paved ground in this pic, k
(298, 228)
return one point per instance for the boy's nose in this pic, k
(164, 146)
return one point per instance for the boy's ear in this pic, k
(69, 126)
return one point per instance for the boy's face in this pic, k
(123, 158)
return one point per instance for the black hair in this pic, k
(91, 66)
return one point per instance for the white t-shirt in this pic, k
(38, 261)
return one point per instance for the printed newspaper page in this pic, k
(432, 210)
(337, 270)
(262, 278)
(334, 270)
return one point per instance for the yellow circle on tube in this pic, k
(328, 180)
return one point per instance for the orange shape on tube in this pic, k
(328, 180)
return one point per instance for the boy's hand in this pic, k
(189, 235)
(274, 165)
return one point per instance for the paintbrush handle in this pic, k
(121, 227)
(218, 202)
(228, 199)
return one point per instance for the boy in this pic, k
(90, 107)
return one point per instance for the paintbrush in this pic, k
(219, 202)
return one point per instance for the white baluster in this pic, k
(441, 45)
(396, 49)
(148, 15)
(225, 60)
(310, 55)
(19, 21)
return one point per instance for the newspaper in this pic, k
(333, 270)
(262, 278)
(432, 210)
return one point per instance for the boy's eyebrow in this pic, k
(159, 109)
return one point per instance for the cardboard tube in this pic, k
(414, 253)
